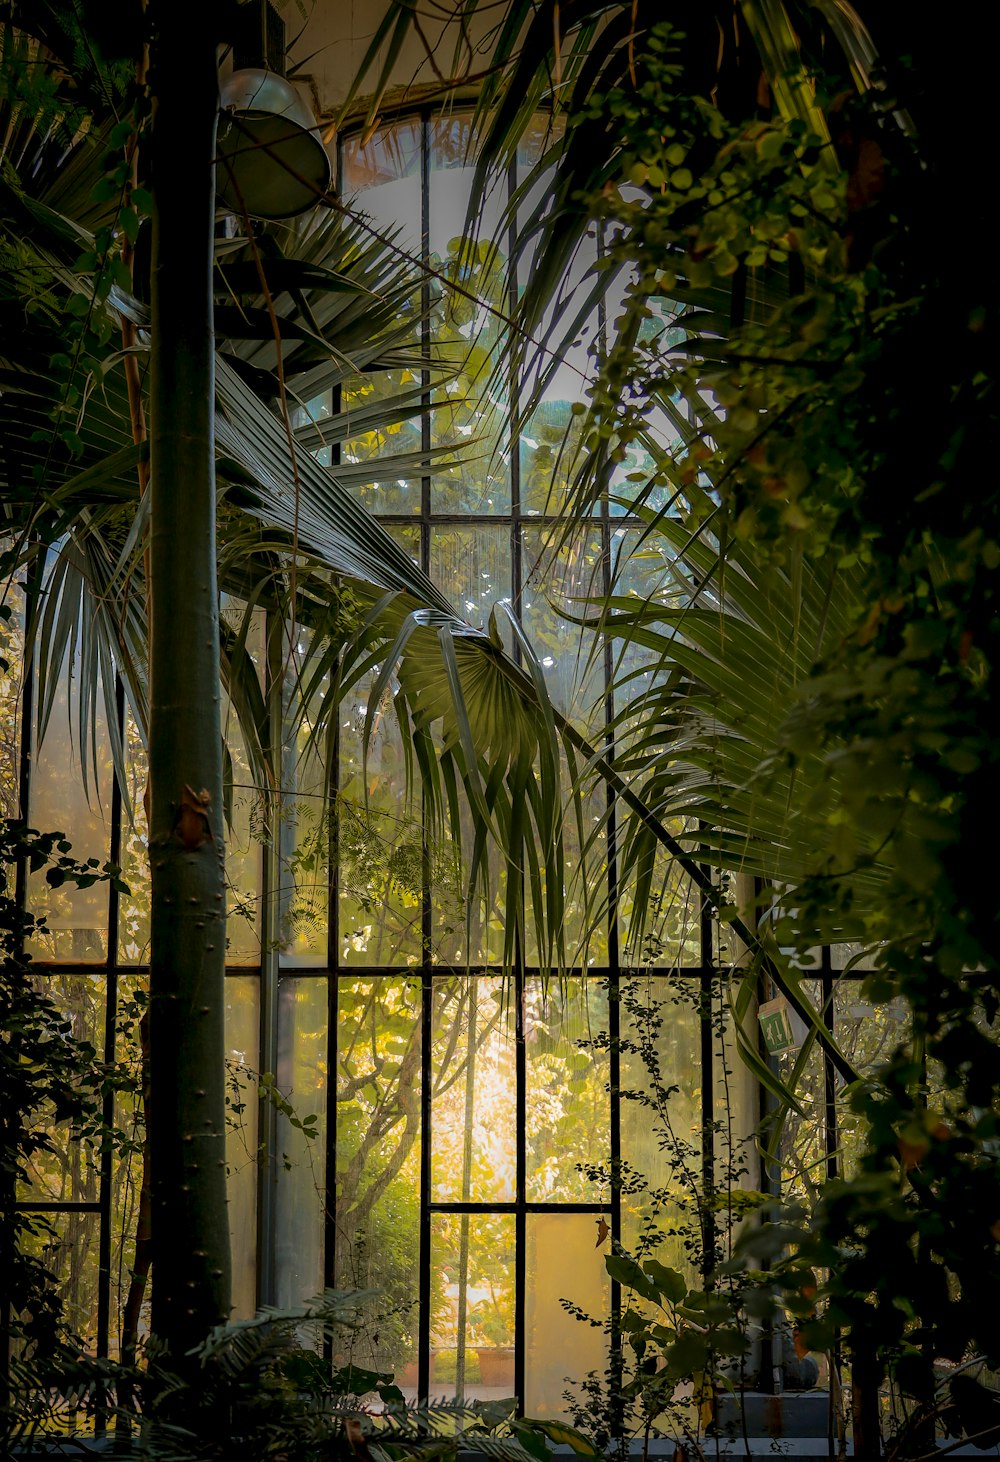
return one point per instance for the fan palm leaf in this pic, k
(704, 744)
(499, 740)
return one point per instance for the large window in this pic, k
(463, 1141)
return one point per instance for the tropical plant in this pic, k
(509, 767)
(96, 597)
(810, 332)
(262, 1386)
(791, 217)
(52, 1089)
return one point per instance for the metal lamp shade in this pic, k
(272, 162)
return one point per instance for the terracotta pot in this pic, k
(408, 1375)
(496, 1366)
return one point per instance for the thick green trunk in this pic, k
(190, 1231)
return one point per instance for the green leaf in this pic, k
(532, 1440)
(688, 1354)
(670, 1282)
(629, 1274)
(563, 1435)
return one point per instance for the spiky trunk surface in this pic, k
(190, 1232)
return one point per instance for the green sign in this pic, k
(776, 1025)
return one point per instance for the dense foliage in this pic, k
(53, 1086)
(833, 402)
(827, 445)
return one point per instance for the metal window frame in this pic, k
(271, 973)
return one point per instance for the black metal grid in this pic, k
(271, 974)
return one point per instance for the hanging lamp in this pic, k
(271, 158)
(272, 162)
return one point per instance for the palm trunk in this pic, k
(190, 1232)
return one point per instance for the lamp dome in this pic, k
(272, 162)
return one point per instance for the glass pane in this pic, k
(303, 829)
(130, 1296)
(301, 1159)
(737, 1096)
(549, 444)
(11, 686)
(472, 1305)
(802, 1150)
(243, 850)
(671, 927)
(133, 907)
(129, 1292)
(567, 1090)
(70, 1172)
(858, 956)
(473, 405)
(563, 1263)
(585, 889)
(378, 1164)
(244, 844)
(867, 1034)
(640, 476)
(61, 800)
(242, 1071)
(467, 928)
(661, 1085)
(634, 478)
(473, 1099)
(380, 867)
(383, 174)
(472, 566)
(641, 574)
(383, 432)
(557, 584)
(550, 439)
(68, 1245)
(671, 934)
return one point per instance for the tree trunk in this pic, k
(190, 1231)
